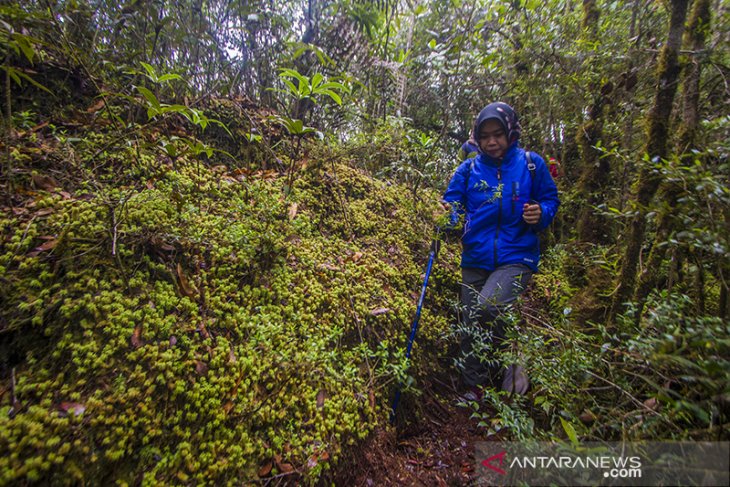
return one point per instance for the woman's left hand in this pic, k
(531, 213)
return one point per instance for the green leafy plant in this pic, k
(310, 88)
(19, 43)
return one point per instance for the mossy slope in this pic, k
(202, 327)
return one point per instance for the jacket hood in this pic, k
(505, 115)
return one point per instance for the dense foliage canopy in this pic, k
(215, 214)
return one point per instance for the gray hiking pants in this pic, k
(485, 296)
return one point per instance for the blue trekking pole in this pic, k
(414, 328)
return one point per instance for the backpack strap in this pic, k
(530, 165)
(468, 176)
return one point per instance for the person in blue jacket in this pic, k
(505, 197)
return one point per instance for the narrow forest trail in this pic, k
(434, 441)
(435, 446)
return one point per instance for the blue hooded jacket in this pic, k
(490, 194)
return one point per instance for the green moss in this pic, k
(191, 345)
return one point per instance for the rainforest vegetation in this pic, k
(216, 214)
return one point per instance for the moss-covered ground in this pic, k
(179, 322)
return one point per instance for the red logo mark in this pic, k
(499, 456)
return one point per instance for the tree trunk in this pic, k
(697, 30)
(723, 308)
(656, 149)
(629, 82)
(596, 172)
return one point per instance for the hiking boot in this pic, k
(515, 380)
(472, 394)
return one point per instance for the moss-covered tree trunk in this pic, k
(629, 81)
(656, 148)
(595, 170)
(723, 274)
(695, 38)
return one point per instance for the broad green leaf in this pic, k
(332, 95)
(220, 124)
(176, 108)
(294, 74)
(151, 98)
(18, 76)
(570, 431)
(297, 126)
(291, 86)
(25, 46)
(300, 51)
(170, 149)
(333, 85)
(316, 80)
(253, 137)
(13, 73)
(150, 71)
(168, 77)
(35, 83)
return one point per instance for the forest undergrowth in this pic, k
(175, 314)
(169, 320)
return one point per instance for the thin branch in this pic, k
(624, 391)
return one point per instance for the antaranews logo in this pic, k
(616, 467)
(609, 466)
(603, 463)
(499, 456)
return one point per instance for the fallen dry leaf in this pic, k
(44, 182)
(201, 367)
(356, 256)
(39, 126)
(47, 245)
(185, 287)
(317, 457)
(283, 466)
(293, 211)
(74, 408)
(329, 267)
(379, 311)
(587, 417)
(96, 106)
(137, 336)
(266, 468)
(321, 396)
(44, 212)
(651, 403)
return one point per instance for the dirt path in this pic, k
(435, 446)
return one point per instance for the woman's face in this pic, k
(492, 139)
